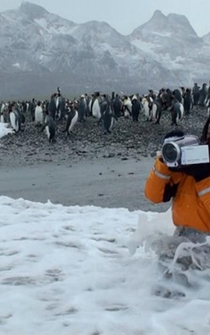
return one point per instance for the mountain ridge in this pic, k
(37, 44)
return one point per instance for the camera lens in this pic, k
(169, 153)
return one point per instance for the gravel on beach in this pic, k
(128, 140)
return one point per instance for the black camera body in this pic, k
(185, 150)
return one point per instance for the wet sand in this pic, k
(105, 182)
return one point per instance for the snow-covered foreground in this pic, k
(73, 270)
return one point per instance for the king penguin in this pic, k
(49, 126)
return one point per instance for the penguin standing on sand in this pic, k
(15, 117)
(49, 126)
(72, 119)
(39, 115)
(52, 105)
(107, 119)
(177, 113)
(15, 120)
(82, 108)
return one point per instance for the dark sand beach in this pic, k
(105, 182)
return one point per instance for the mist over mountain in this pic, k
(40, 51)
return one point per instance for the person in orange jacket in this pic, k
(189, 189)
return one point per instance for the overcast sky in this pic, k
(124, 15)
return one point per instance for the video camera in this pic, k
(184, 150)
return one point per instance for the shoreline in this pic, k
(112, 182)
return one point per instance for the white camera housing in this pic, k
(184, 151)
(192, 155)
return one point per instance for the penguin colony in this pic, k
(163, 108)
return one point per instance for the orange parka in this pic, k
(190, 199)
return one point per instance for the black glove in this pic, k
(197, 171)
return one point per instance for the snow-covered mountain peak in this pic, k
(100, 35)
(166, 38)
(157, 24)
(32, 10)
(170, 25)
(158, 15)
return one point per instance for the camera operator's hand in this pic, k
(160, 158)
(197, 171)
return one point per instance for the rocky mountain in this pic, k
(40, 51)
(172, 41)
